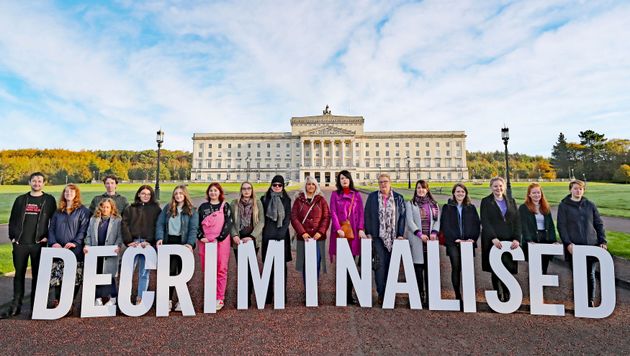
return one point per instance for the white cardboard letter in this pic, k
(538, 280)
(435, 287)
(516, 293)
(607, 282)
(165, 280)
(401, 252)
(91, 279)
(345, 265)
(40, 310)
(126, 277)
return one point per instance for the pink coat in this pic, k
(339, 206)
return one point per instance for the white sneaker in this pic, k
(111, 301)
(219, 305)
(178, 307)
(98, 302)
(170, 305)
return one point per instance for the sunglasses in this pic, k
(277, 185)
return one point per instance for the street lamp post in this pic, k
(247, 159)
(159, 138)
(505, 135)
(572, 175)
(408, 172)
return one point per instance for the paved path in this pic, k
(330, 329)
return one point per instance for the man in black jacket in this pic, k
(579, 223)
(28, 231)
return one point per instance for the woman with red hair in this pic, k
(536, 222)
(215, 224)
(68, 227)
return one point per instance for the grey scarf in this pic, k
(275, 208)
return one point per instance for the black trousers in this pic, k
(501, 288)
(455, 255)
(21, 254)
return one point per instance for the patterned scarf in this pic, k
(245, 213)
(387, 220)
(275, 208)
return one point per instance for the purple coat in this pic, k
(339, 206)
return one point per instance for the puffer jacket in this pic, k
(71, 227)
(318, 219)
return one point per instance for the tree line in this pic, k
(593, 158)
(61, 166)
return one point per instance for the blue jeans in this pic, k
(380, 275)
(143, 274)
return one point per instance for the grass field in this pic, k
(611, 199)
(6, 259)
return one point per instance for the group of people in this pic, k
(37, 221)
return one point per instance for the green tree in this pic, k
(560, 157)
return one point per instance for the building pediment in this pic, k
(327, 130)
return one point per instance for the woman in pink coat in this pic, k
(346, 204)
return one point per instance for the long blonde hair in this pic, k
(188, 205)
(254, 202)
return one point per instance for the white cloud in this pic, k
(540, 67)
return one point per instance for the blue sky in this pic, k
(107, 76)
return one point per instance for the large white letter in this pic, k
(91, 279)
(40, 310)
(401, 251)
(275, 259)
(606, 278)
(126, 277)
(246, 258)
(537, 280)
(435, 287)
(310, 272)
(345, 265)
(516, 293)
(210, 278)
(468, 277)
(165, 280)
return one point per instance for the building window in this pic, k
(376, 145)
(258, 154)
(229, 154)
(367, 153)
(229, 145)
(437, 144)
(438, 162)
(458, 144)
(386, 144)
(239, 145)
(238, 154)
(367, 144)
(417, 144)
(426, 144)
(209, 164)
(417, 153)
(209, 145)
(219, 145)
(258, 145)
(201, 146)
(200, 154)
(200, 164)
(268, 145)
(218, 164)
(427, 153)
(209, 154)
(377, 152)
(277, 145)
(406, 144)
(219, 154)
(268, 154)
(448, 144)
(356, 144)
(288, 145)
(386, 153)
(397, 153)
(397, 144)
(367, 163)
(218, 176)
(448, 153)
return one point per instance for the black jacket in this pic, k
(494, 225)
(372, 224)
(139, 221)
(449, 223)
(272, 232)
(529, 228)
(16, 219)
(579, 223)
(205, 209)
(65, 228)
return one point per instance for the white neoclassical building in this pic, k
(325, 144)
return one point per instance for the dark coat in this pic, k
(494, 225)
(449, 223)
(272, 232)
(16, 219)
(372, 223)
(139, 221)
(71, 227)
(579, 223)
(189, 230)
(120, 200)
(529, 228)
(318, 219)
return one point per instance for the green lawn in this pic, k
(611, 199)
(8, 193)
(6, 259)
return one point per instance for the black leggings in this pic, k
(175, 262)
(454, 254)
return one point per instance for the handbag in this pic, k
(346, 227)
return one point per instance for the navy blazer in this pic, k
(372, 224)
